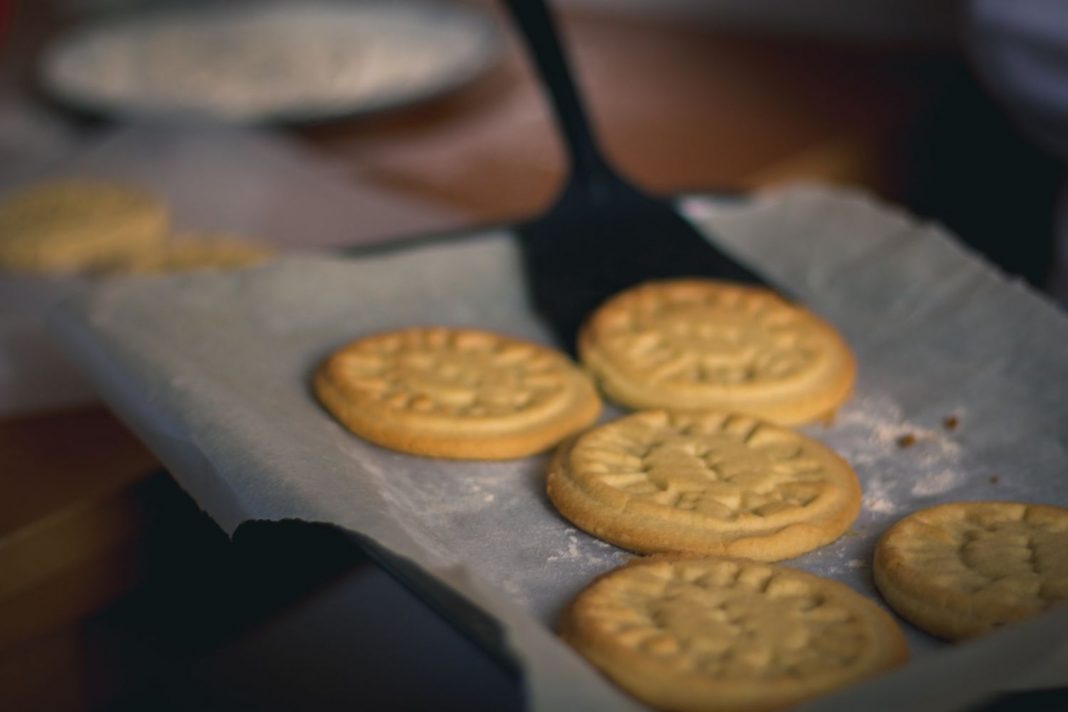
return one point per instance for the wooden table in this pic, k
(678, 107)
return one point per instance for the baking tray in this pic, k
(212, 372)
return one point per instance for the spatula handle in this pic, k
(536, 25)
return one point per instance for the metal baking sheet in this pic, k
(213, 372)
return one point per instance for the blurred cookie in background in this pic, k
(193, 251)
(76, 225)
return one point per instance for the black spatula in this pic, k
(602, 234)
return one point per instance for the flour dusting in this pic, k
(878, 498)
(897, 458)
(937, 483)
(571, 553)
(887, 431)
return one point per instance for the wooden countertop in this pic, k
(678, 107)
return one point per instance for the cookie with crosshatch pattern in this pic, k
(962, 569)
(456, 393)
(703, 482)
(699, 343)
(728, 635)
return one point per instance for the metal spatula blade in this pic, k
(602, 234)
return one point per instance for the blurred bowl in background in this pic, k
(275, 62)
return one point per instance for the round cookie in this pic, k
(962, 569)
(728, 635)
(704, 482)
(693, 343)
(194, 251)
(456, 393)
(74, 225)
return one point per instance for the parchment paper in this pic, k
(213, 372)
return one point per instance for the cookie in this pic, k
(962, 569)
(728, 635)
(708, 483)
(195, 251)
(456, 393)
(693, 344)
(74, 225)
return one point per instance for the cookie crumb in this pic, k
(994, 479)
(906, 440)
(950, 422)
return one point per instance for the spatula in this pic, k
(602, 234)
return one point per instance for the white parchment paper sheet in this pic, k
(213, 372)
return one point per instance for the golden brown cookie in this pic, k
(962, 569)
(456, 393)
(693, 344)
(728, 635)
(74, 225)
(193, 251)
(708, 483)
